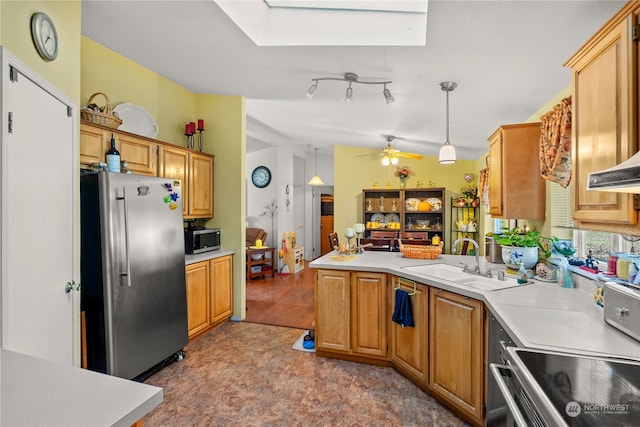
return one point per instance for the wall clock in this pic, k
(261, 176)
(44, 35)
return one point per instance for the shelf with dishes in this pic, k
(410, 213)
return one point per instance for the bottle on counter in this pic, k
(113, 157)
(522, 274)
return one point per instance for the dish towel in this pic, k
(402, 314)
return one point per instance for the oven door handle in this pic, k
(511, 403)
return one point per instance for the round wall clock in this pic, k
(261, 176)
(44, 35)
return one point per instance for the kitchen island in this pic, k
(446, 352)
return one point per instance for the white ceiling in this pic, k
(506, 56)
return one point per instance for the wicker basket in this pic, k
(104, 118)
(420, 251)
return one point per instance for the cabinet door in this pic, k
(200, 186)
(456, 355)
(369, 313)
(140, 154)
(409, 345)
(174, 163)
(221, 289)
(603, 124)
(197, 277)
(333, 308)
(92, 146)
(495, 175)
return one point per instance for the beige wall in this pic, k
(15, 35)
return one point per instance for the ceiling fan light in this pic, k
(447, 154)
(312, 90)
(385, 161)
(394, 160)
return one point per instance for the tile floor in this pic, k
(246, 374)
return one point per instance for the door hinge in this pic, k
(13, 73)
(69, 111)
(635, 31)
(10, 121)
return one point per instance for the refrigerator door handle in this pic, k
(127, 272)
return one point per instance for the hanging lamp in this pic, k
(447, 152)
(316, 180)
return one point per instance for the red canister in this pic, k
(612, 262)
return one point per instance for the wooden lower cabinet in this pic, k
(351, 313)
(409, 346)
(456, 351)
(209, 294)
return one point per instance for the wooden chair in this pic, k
(377, 244)
(333, 240)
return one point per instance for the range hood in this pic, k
(622, 178)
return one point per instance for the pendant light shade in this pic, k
(316, 180)
(447, 152)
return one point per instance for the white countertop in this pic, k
(205, 256)
(539, 315)
(37, 392)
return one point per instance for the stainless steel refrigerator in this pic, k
(132, 272)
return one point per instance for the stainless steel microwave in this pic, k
(200, 239)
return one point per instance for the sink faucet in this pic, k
(476, 269)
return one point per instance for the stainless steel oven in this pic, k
(547, 388)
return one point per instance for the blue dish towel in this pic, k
(402, 314)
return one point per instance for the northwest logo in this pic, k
(573, 409)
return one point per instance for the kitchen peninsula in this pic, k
(446, 353)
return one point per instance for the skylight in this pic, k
(330, 23)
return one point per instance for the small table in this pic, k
(266, 262)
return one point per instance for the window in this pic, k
(601, 243)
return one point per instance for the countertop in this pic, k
(205, 256)
(37, 392)
(539, 315)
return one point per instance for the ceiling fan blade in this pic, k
(409, 155)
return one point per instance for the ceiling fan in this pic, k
(391, 155)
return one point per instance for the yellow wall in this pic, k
(15, 35)
(224, 120)
(352, 174)
(123, 80)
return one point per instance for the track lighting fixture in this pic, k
(447, 152)
(351, 78)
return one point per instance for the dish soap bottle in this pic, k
(113, 157)
(522, 274)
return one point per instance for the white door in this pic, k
(39, 217)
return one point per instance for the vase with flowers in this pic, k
(403, 173)
(469, 195)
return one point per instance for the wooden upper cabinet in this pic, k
(92, 148)
(140, 154)
(200, 186)
(605, 119)
(516, 188)
(174, 163)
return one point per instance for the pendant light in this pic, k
(316, 180)
(447, 152)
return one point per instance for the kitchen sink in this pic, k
(455, 274)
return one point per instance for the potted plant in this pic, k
(525, 247)
(469, 195)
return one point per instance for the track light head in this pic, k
(387, 95)
(349, 95)
(312, 89)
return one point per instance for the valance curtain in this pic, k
(555, 144)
